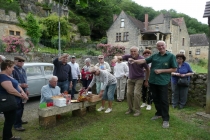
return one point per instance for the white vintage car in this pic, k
(37, 76)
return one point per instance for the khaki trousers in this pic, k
(121, 82)
(134, 94)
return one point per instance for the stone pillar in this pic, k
(80, 112)
(47, 121)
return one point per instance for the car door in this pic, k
(35, 79)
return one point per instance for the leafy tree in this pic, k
(32, 27)
(84, 28)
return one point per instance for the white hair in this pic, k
(134, 47)
(53, 77)
(161, 41)
(93, 68)
(87, 60)
(2, 57)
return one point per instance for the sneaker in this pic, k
(137, 113)
(20, 129)
(128, 112)
(156, 117)
(101, 108)
(165, 124)
(149, 107)
(108, 110)
(143, 105)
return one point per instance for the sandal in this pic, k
(15, 138)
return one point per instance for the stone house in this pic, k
(199, 45)
(8, 24)
(128, 31)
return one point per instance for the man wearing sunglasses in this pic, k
(20, 75)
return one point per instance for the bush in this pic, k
(10, 6)
(84, 29)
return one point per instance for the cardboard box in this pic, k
(60, 102)
(94, 98)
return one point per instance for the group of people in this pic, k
(146, 75)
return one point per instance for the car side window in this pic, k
(48, 70)
(33, 71)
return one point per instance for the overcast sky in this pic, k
(192, 8)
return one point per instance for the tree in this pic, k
(32, 27)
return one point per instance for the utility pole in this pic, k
(207, 14)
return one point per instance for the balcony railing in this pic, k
(148, 42)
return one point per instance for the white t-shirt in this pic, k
(75, 71)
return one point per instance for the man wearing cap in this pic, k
(2, 58)
(75, 74)
(63, 71)
(20, 75)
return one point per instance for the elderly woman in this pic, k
(107, 90)
(103, 66)
(9, 85)
(86, 75)
(179, 97)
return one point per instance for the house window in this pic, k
(122, 23)
(197, 52)
(11, 32)
(182, 41)
(190, 52)
(125, 36)
(157, 28)
(17, 33)
(119, 36)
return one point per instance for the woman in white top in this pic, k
(103, 66)
(107, 90)
(121, 73)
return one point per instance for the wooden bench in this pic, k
(47, 116)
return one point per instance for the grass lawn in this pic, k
(198, 69)
(184, 125)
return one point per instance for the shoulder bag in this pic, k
(7, 102)
(183, 81)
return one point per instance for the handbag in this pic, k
(7, 102)
(183, 81)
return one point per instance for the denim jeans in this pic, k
(109, 92)
(19, 114)
(64, 86)
(8, 123)
(121, 83)
(73, 90)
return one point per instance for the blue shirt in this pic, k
(185, 68)
(47, 92)
(20, 75)
(62, 71)
(3, 78)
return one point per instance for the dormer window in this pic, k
(157, 28)
(122, 25)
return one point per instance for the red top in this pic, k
(86, 75)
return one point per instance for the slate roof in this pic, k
(157, 20)
(199, 40)
(177, 21)
(207, 10)
(137, 23)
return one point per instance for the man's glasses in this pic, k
(146, 53)
(21, 61)
(100, 58)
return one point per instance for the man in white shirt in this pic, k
(75, 74)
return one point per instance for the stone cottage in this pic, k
(199, 45)
(128, 31)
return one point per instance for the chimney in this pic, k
(114, 17)
(146, 22)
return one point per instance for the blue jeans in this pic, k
(19, 114)
(64, 86)
(73, 90)
(109, 92)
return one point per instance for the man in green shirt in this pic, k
(163, 63)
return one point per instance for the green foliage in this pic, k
(63, 40)
(31, 25)
(84, 29)
(10, 5)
